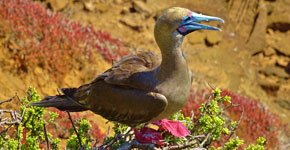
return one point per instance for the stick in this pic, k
(3, 131)
(46, 138)
(136, 144)
(78, 136)
(203, 142)
(238, 123)
(117, 137)
(8, 100)
(178, 147)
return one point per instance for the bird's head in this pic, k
(181, 21)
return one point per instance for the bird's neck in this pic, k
(173, 61)
(173, 75)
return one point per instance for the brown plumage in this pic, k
(140, 88)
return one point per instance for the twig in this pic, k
(6, 111)
(127, 133)
(46, 137)
(9, 122)
(14, 118)
(8, 100)
(136, 144)
(192, 116)
(238, 123)
(108, 132)
(209, 99)
(18, 98)
(178, 147)
(78, 136)
(232, 105)
(203, 142)
(113, 62)
(23, 113)
(3, 131)
(106, 145)
(117, 137)
(58, 91)
(197, 136)
(211, 86)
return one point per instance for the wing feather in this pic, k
(135, 71)
(124, 93)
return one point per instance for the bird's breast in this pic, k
(176, 90)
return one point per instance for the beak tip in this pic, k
(221, 20)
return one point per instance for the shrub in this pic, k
(39, 37)
(36, 126)
(256, 120)
(61, 124)
(29, 132)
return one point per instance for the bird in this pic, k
(141, 88)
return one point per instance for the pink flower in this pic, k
(148, 135)
(176, 128)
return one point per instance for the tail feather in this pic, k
(60, 102)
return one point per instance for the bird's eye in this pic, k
(187, 18)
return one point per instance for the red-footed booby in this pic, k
(138, 88)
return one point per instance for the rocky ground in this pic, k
(250, 56)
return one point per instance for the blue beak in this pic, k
(191, 23)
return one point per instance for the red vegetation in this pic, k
(37, 36)
(196, 98)
(256, 121)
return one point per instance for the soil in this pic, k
(250, 56)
